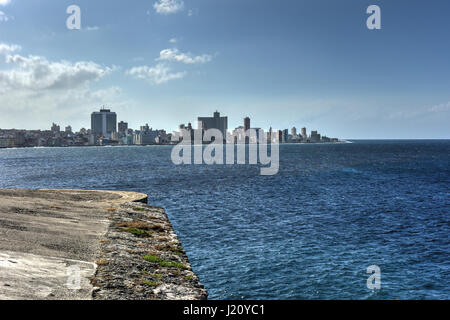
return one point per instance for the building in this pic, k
(55, 128)
(103, 123)
(163, 137)
(304, 134)
(7, 142)
(269, 135)
(145, 128)
(123, 127)
(279, 136)
(215, 122)
(115, 136)
(145, 137)
(176, 136)
(127, 139)
(315, 137)
(246, 123)
(237, 135)
(68, 129)
(294, 131)
(285, 135)
(259, 132)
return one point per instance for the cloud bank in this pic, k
(158, 74)
(176, 56)
(37, 73)
(162, 72)
(4, 2)
(36, 91)
(166, 7)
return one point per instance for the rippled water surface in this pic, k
(308, 232)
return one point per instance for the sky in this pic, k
(283, 63)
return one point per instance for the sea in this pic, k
(315, 230)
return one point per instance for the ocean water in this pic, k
(309, 232)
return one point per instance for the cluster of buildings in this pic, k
(10, 138)
(105, 130)
(239, 134)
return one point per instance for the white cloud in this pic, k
(9, 48)
(38, 109)
(4, 2)
(36, 91)
(37, 73)
(420, 112)
(161, 72)
(443, 107)
(173, 40)
(168, 6)
(3, 17)
(158, 74)
(176, 56)
(93, 28)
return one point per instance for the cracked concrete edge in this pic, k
(125, 196)
(30, 276)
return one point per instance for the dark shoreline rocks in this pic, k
(142, 258)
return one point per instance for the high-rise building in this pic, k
(215, 122)
(68, 129)
(280, 136)
(315, 137)
(294, 131)
(177, 135)
(145, 137)
(123, 127)
(259, 133)
(246, 123)
(269, 135)
(145, 128)
(285, 135)
(103, 123)
(304, 134)
(55, 128)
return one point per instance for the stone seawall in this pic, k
(90, 244)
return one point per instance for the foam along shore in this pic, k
(90, 244)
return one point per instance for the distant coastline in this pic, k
(161, 145)
(106, 131)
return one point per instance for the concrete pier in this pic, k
(83, 244)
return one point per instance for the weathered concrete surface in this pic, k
(142, 258)
(29, 276)
(48, 236)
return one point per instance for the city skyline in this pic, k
(106, 130)
(282, 64)
(201, 122)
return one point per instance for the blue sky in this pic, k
(283, 63)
